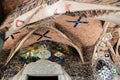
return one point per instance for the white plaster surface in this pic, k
(42, 68)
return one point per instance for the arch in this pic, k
(51, 46)
(61, 7)
(46, 11)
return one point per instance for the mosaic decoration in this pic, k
(44, 54)
(58, 54)
(46, 50)
(33, 51)
(105, 70)
(107, 37)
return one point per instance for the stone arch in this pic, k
(36, 14)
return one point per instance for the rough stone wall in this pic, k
(71, 63)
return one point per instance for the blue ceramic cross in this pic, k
(77, 22)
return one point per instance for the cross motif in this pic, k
(77, 22)
(12, 36)
(42, 35)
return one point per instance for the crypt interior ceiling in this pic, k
(86, 29)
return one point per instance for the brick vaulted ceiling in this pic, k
(6, 6)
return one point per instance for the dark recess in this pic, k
(42, 77)
(2, 16)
